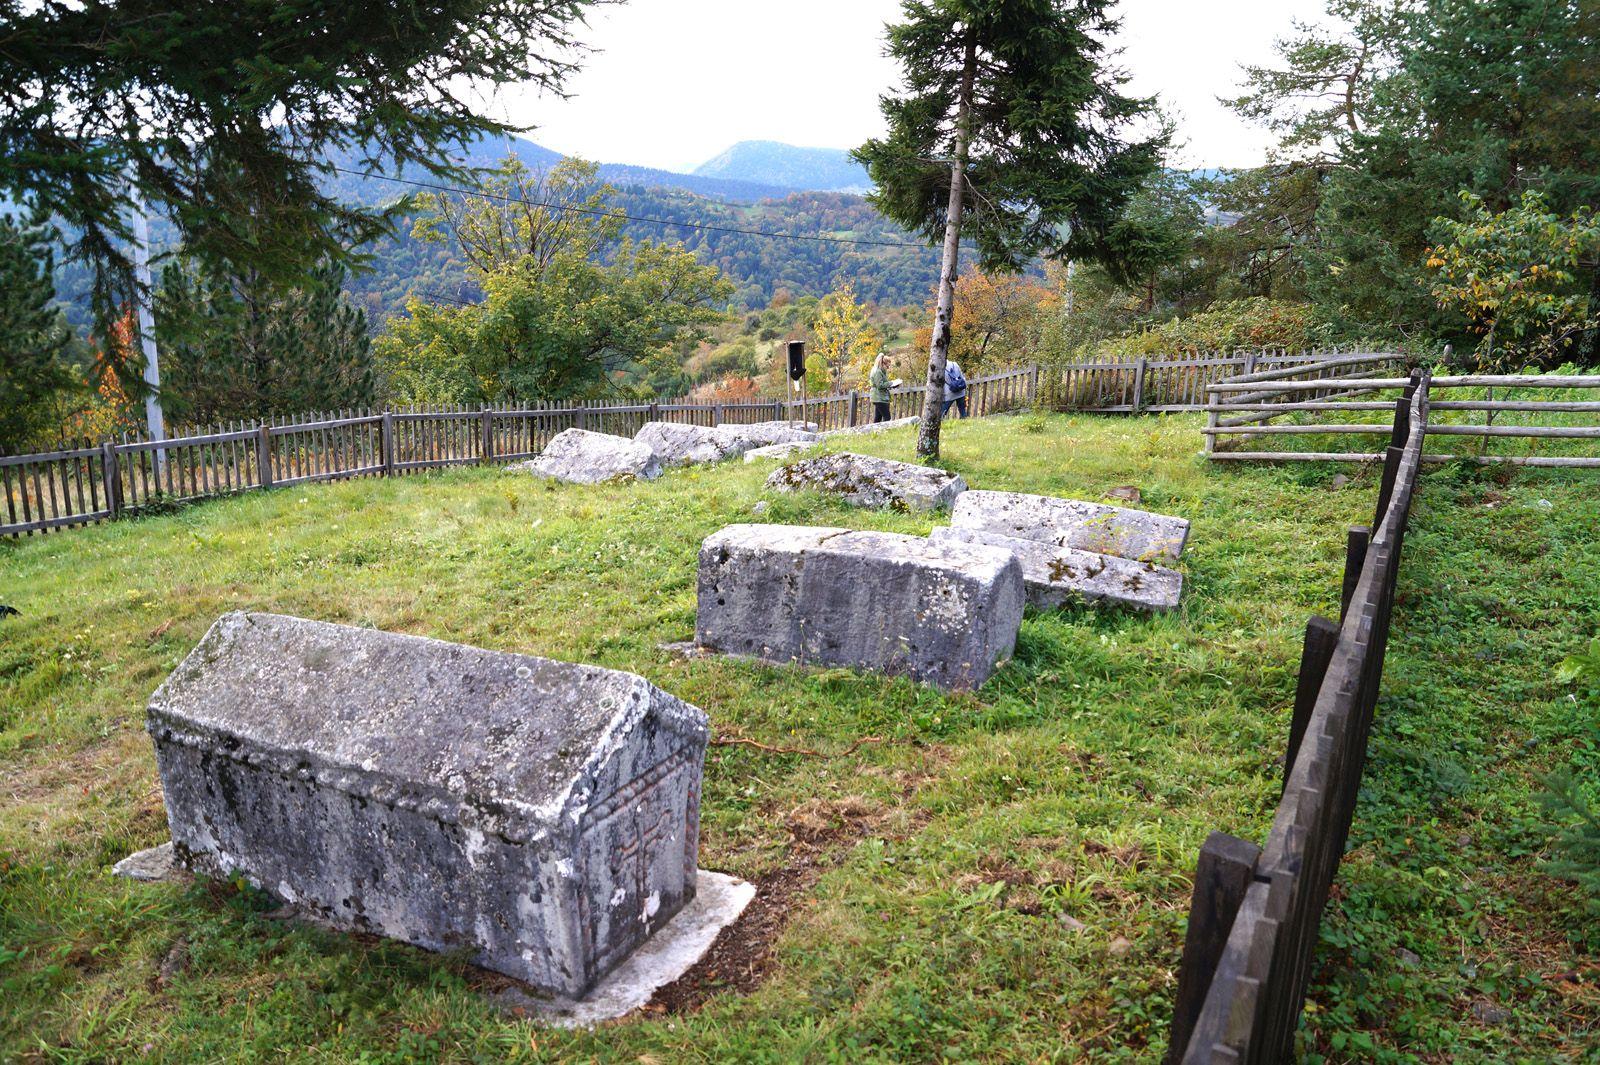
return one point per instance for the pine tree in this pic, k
(33, 339)
(1010, 131)
(242, 347)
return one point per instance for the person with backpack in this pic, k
(955, 388)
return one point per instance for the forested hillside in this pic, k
(759, 266)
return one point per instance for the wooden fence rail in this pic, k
(95, 482)
(1255, 911)
(1244, 408)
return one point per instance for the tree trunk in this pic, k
(933, 400)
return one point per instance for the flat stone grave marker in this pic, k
(578, 456)
(875, 427)
(1096, 527)
(680, 444)
(872, 482)
(543, 814)
(1055, 575)
(776, 451)
(943, 613)
(766, 434)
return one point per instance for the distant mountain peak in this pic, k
(788, 166)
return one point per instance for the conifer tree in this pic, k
(33, 338)
(1010, 131)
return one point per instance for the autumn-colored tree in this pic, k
(843, 342)
(110, 412)
(996, 322)
(1514, 274)
(728, 390)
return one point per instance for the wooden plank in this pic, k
(1222, 877)
(1567, 432)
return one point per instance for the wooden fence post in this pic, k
(1322, 636)
(264, 455)
(1356, 539)
(1033, 383)
(854, 399)
(1221, 878)
(716, 414)
(388, 443)
(111, 477)
(486, 438)
(653, 412)
(1138, 384)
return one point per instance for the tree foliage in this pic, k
(1515, 276)
(843, 341)
(1054, 150)
(222, 114)
(33, 338)
(569, 306)
(244, 347)
(999, 321)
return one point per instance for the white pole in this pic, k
(147, 329)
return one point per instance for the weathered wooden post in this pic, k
(1138, 384)
(388, 443)
(1033, 383)
(716, 414)
(1221, 878)
(854, 399)
(1211, 419)
(264, 455)
(485, 436)
(111, 477)
(1355, 557)
(1322, 636)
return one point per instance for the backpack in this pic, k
(954, 379)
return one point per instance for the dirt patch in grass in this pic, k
(822, 833)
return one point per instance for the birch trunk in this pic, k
(939, 348)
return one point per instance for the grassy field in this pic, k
(1004, 877)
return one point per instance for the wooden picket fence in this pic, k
(1255, 911)
(95, 481)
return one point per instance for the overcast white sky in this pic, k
(677, 81)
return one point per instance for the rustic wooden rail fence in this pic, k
(1255, 911)
(1531, 408)
(91, 482)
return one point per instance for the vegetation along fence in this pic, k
(1255, 911)
(96, 481)
(1312, 411)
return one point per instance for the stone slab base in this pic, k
(672, 951)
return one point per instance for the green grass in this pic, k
(1080, 781)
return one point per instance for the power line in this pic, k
(769, 234)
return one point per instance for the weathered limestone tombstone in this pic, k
(578, 456)
(1096, 527)
(679, 444)
(544, 814)
(776, 451)
(766, 434)
(943, 613)
(1056, 575)
(872, 482)
(875, 427)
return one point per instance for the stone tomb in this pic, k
(681, 444)
(543, 814)
(872, 482)
(1096, 527)
(766, 434)
(1057, 575)
(944, 613)
(578, 456)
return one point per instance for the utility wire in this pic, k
(769, 234)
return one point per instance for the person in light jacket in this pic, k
(955, 388)
(879, 380)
